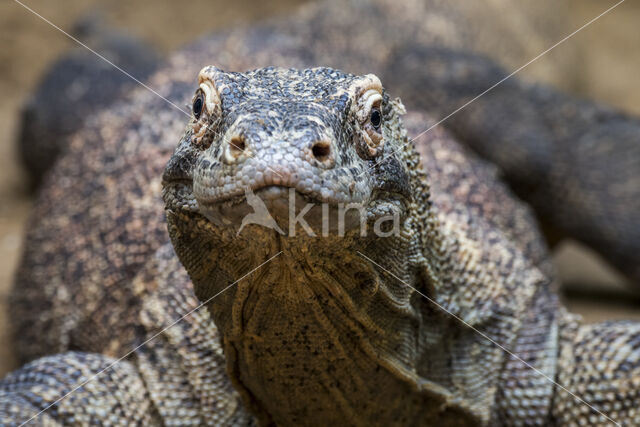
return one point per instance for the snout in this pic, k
(249, 160)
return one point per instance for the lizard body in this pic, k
(76, 87)
(465, 242)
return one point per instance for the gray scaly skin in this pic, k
(99, 275)
(321, 333)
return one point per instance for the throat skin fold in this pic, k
(332, 338)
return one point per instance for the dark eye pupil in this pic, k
(197, 106)
(376, 118)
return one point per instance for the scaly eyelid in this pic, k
(370, 99)
(211, 98)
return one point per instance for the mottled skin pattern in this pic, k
(99, 275)
(576, 162)
(177, 377)
(77, 86)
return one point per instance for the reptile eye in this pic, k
(198, 103)
(375, 118)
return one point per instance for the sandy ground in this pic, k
(608, 49)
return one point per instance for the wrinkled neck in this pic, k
(323, 333)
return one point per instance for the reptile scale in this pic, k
(439, 322)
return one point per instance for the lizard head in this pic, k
(316, 136)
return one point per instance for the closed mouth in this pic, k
(268, 193)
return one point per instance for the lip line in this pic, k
(240, 196)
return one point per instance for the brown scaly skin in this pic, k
(76, 87)
(574, 161)
(101, 290)
(177, 377)
(323, 335)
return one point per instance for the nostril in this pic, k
(237, 146)
(321, 151)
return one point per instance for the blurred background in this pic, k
(607, 53)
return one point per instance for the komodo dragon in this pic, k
(553, 150)
(375, 348)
